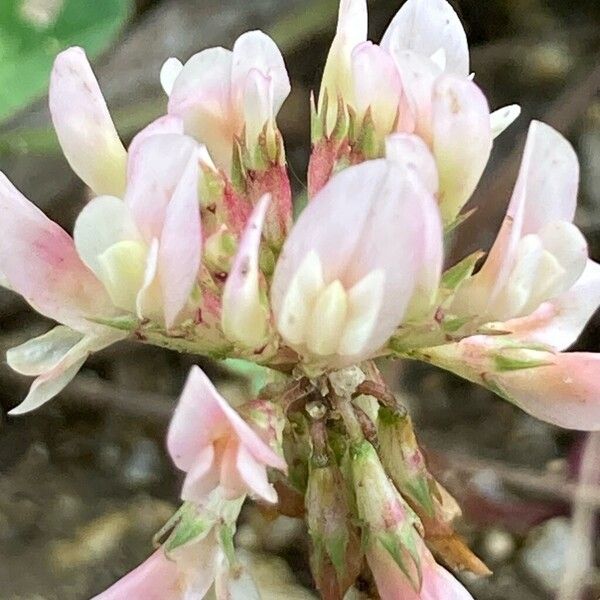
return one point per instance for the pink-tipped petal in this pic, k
(559, 322)
(425, 27)
(376, 202)
(462, 140)
(256, 51)
(157, 578)
(562, 389)
(377, 86)
(159, 165)
(84, 126)
(40, 262)
(244, 317)
(180, 248)
(565, 393)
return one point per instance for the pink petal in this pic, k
(415, 155)
(180, 248)
(565, 391)
(157, 578)
(546, 191)
(425, 27)
(202, 416)
(377, 85)
(203, 477)
(256, 51)
(462, 140)
(197, 421)
(157, 167)
(375, 202)
(201, 96)
(254, 475)
(243, 317)
(84, 126)
(559, 323)
(163, 125)
(418, 75)
(40, 262)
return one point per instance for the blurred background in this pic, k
(85, 481)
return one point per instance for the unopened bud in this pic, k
(336, 555)
(389, 521)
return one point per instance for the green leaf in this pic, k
(30, 39)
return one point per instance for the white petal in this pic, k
(169, 72)
(326, 320)
(503, 118)
(103, 222)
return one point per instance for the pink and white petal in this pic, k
(559, 322)
(256, 51)
(254, 475)
(425, 27)
(244, 317)
(565, 393)
(439, 584)
(564, 390)
(353, 21)
(203, 477)
(201, 96)
(160, 162)
(256, 105)
(180, 249)
(103, 222)
(377, 86)
(503, 118)
(53, 381)
(158, 578)
(462, 140)
(84, 126)
(545, 191)
(43, 353)
(418, 75)
(169, 72)
(197, 421)
(39, 260)
(412, 152)
(376, 200)
(163, 125)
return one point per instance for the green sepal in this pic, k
(192, 526)
(503, 362)
(123, 323)
(317, 132)
(454, 276)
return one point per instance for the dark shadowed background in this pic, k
(85, 481)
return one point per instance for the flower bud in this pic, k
(389, 522)
(336, 555)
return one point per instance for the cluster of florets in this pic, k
(189, 243)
